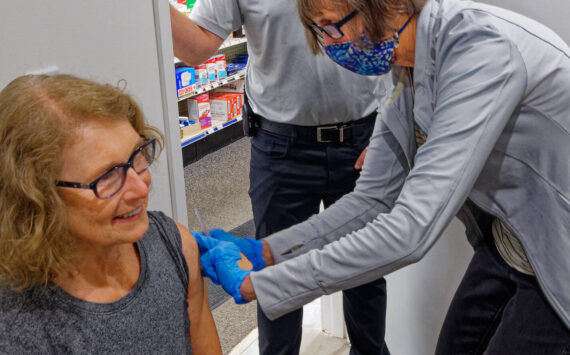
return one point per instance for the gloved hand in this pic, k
(220, 264)
(250, 247)
(205, 243)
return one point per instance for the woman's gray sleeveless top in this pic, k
(152, 318)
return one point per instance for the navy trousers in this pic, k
(498, 310)
(289, 178)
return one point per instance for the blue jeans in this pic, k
(289, 178)
(498, 310)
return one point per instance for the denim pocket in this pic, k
(271, 144)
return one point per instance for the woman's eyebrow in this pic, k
(113, 164)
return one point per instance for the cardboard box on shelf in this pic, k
(221, 71)
(185, 80)
(189, 130)
(201, 75)
(221, 107)
(199, 110)
(211, 68)
(239, 103)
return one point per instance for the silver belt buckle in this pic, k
(340, 134)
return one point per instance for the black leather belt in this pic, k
(335, 133)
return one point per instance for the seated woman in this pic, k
(83, 266)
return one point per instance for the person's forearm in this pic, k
(246, 289)
(192, 44)
(267, 254)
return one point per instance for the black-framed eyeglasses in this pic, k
(113, 180)
(333, 29)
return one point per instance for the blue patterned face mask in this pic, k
(366, 58)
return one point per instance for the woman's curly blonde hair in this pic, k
(39, 116)
(376, 15)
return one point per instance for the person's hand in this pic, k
(360, 160)
(220, 264)
(205, 243)
(251, 248)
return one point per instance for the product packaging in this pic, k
(211, 68)
(199, 110)
(201, 75)
(185, 80)
(221, 71)
(221, 107)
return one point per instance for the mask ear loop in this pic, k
(397, 34)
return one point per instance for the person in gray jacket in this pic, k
(476, 123)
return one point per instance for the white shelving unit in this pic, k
(230, 48)
(205, 132)
(228, 44)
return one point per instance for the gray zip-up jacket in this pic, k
(492, 92)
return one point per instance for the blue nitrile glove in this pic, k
(205, 243)
(250, 247)
(224, 257)
(202, 245)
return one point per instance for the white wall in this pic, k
(104, 40)
(552, 13)
(419, 295)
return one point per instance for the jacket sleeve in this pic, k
(480, 80)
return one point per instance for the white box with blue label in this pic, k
(185, 80)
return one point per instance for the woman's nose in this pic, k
(328, 40)
(136, 185)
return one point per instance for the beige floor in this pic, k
(234, 323)
(314, 342)
(217, 185)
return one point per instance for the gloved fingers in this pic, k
(221, 234)
(250, 247)
(254, 253)
(209, 268)
(221, 253)
(224, 259)
(236, 294)
(231, 276)
(205, 243)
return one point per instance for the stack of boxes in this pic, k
(225, 106)
(226, 102)
(214, 108)
(211, 108)
(213, 70)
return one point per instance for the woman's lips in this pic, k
(130, 215)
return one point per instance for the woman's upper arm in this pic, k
(203, 334)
